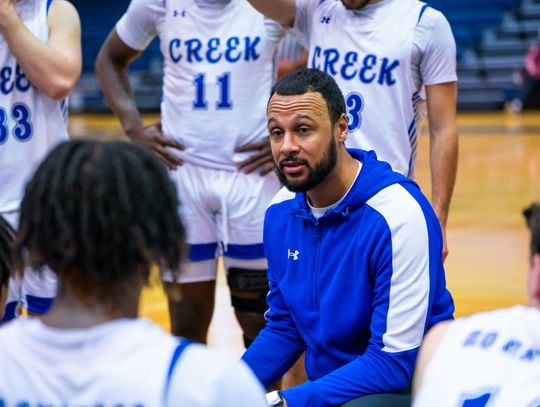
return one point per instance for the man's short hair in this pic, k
(312, 80)
(100, 215)
(532, 216)
(7, 235)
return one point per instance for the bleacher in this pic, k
(492, 37)
(97, 20)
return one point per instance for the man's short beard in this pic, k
(315, 176)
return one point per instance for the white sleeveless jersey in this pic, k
(489, 359)
(218, 71)
(369, 55)
(31, 123)
(118, 363)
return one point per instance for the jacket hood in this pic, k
(374, 176)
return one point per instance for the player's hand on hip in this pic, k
(152, 137)
(262, 160)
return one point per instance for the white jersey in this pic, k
(218, 72)
(118, 363)
(488, 359)
(380, 56)
(31, 123)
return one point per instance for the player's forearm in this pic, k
(282, 11)
(443, 162)
(47, 68)
(118, 91)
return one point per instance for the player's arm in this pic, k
(282, 11)
(443, 133)
(53, 67)
(111, 68)
(429, 345)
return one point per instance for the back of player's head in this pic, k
(100, 215)
(532, 216)
(7, 235)
(312, 80)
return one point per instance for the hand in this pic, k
(262, 159)
(152, 138)
(8, 14)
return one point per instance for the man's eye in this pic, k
(276, 133)
(303, 130)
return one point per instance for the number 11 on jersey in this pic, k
(224, 97)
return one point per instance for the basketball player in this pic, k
(40, 62)
(488, 359)
(101, 215)
(218, 70)
(6, 239)
(381, 53)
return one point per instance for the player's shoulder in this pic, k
(62, 8)
(430, 17)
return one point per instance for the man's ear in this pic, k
(534, 281)
(342, 128)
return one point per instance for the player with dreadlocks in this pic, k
(6, 239)
(100, 216)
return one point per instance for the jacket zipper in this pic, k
(316, 271)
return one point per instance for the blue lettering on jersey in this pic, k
(511, 347)
(472, 338)
(194, 50)
(11, 79)
(351, 64)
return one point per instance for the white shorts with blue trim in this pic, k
(223, 212)
(35, 291)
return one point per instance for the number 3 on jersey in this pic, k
(355, 104)
(22, 131)
(224, 84)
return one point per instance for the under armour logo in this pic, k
(177, 13)
(325, 20)
(293, 255)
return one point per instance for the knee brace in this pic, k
(255, 285)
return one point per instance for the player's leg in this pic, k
(190, 291)
(248, 284)
(191, 304)
(247, 198)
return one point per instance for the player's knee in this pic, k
(248, 289)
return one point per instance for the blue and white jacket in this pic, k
(356, 290)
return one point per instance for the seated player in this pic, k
(101, 216)
(6, 239)
(488, 359)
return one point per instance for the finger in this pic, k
(257, 165)
(172, 143)
(252, 147)
(267, 169)
(171, 158)
(252, 159)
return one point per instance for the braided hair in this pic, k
(100, 215)
(532, 216)
(7, 235)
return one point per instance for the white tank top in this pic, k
(370, 60)
(489, 359)
(218, 72)
(31, 123)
